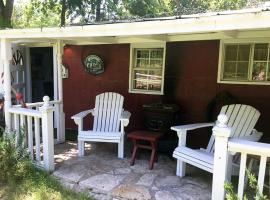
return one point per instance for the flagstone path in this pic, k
(106, 177)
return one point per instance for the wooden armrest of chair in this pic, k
(255, 136)
(78, 118)
(124, 118)
(189, 127)
(82, 114)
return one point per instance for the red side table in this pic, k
(148, 136)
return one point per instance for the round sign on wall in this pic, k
(93, 64)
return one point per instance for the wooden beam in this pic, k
(198, 36)
(6, 57)
(143, 38)
(32, 41)
(92, 40)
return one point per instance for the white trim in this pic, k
(221, 61)
(28, 80)
(28, 63)
(33, 45)
(247, 40)
(55, 74)
(131, 60)
(244, 82)
(220, 58)
(28, 69)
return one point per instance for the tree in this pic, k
(181, 7)
(36, 14)
(219, 5)
(6, 9)
(147, 8)
(44, 13)
(63, 12)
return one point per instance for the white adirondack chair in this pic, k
(242, 119)
(109, 122)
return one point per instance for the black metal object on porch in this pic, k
(159, 117)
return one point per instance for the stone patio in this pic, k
(106, 177)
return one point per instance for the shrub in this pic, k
(253, 186)
(14, 159)
(19, 179)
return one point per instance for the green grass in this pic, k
(38, 185)
(21, 180)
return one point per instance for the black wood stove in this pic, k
(159, 117)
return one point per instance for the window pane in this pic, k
(259, 71)
(148, 69)
(140, 79)
(268, 74)
(156, 63)
(142, 63)
(243, 52)
(140, 74)
(142, 53)
(140, 85)
(242, 71)
(231, 52)
(260, 52)
(157, 53)
(154, 80)
(229, 70)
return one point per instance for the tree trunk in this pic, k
(63, 13)
(98, 5)
(6, 13)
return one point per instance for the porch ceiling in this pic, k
(252, 23)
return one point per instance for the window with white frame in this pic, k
(147, 68)
(245, 63)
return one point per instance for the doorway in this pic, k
(42, 76)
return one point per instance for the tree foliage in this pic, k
(36, 14)
(150, 8)
(180, 7)
(46, 13)
(199, 6)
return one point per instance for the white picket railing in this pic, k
(40, 134)
(58, 117)
(246, 148)
(224, 148)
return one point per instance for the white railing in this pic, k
(59, 117)
(225, 147)
(38, 128)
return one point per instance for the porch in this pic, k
(186, 80)
(104, 176)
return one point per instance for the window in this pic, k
(245, 63)
(147, 68)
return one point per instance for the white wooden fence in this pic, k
(59, 117)
(38, 127)
(225, 147)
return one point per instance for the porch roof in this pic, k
(248, 23)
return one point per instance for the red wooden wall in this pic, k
(190, 81)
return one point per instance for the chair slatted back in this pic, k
(108, 109)
(241, 118)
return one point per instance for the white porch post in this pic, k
(47, 134)
(6, 57)
(222, 133)
(61, 114)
